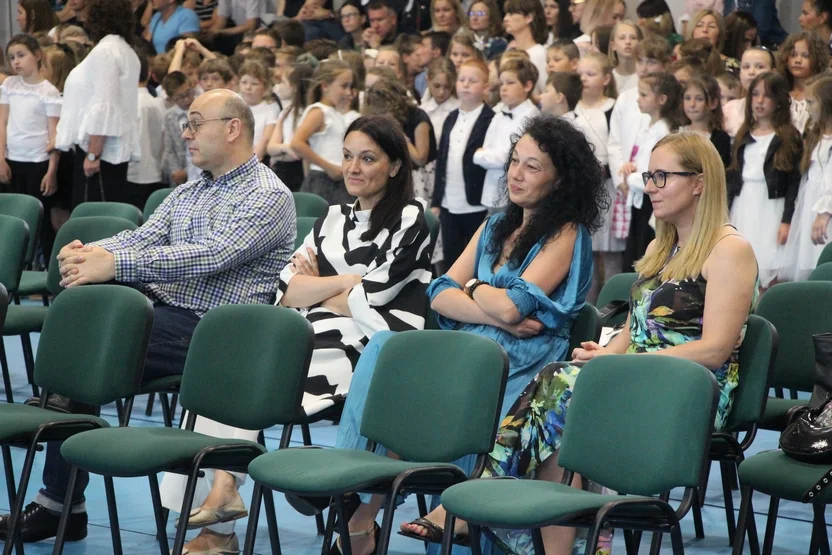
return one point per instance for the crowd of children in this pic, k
(461, 96)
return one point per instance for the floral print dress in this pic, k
(662, 314)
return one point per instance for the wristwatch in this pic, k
(92, 157)
(472, 284)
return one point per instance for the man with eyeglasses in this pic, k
(222, 239)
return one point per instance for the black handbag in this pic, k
(808, 435)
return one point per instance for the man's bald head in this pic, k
(223, 103)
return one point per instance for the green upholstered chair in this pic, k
(310, 204)
(246, 367)
(586, 327)
(792, 310)
(823, 272)
(756, 361)
(113, 323)
(305, 224)
(461, 376)
(617, 288)
(154, 200)
(30, 210)
(14, 237)
(22, 319)
(651, 415)
(825, 255)
(114, 209)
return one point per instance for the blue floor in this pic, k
(298, 534)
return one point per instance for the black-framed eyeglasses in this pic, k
(478, 14)
(350, 15)
(193, 126)
(659, 177)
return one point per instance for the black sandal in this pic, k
(434, 534)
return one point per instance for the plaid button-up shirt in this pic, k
(212, 241)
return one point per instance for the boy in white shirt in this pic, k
(518, 77)
(458, 190)
(145, 175)
(561, 95)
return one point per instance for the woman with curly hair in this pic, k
(800, 58)
(99, 119)
(521, 281)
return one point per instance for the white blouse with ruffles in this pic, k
(101, 97)
(30, 107)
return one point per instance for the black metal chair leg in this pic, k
(751, 527)
(448, 536)
(307, 435)
(11, 487)
(174, 399)
(163, 400)
(537, 541)
(7, 382)
(17, 508)
(271, 520)
(676, 540)
(330, 528)
(184, 515)
(112, 510)
(696, 508)
(727, 478)
(158, 513)
(739, 537)
(148, 411)
(386, 525)
(819, 525)
(29, 361)
(474, 534)
(253, 518)
(771, 525)
(343, 526)
(656, 543)
(58, 549)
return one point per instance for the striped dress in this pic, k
(395, 266)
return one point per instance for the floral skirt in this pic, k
(529, 434)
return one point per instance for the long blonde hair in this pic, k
(696, 154)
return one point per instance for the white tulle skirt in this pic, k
(801, 254)
(758, 218)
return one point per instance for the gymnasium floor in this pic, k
(297, 533)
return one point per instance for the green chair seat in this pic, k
(774, 417)
(525, 503)
(20, 421)
(33, 283)
(168, 383)
(22, 319)
(329, 471)
(129, 452)
(775, 474)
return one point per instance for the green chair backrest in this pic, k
(247, 365)
(617, 288)
(114, 209)
(154, 200)
(4, 304)
(14, 236)
(652, 416)
(823, 272)
(30, 210)
(433, 227)
(825, 255)
(86, 229)
(310, 204)
(797, 311)
(460, 376)
(586, 327)
(93, 344)
(305, 224)
(756, 361)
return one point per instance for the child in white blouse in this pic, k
(623, 41)
(30, 107)
(256, 90)
(294, 86)
(441, 99)
(518, 77)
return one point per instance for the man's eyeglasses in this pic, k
(659, 177)
(478, 14)
(193, 126)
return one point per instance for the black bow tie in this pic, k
(509, 115)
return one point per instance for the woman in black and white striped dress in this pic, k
(365, 267)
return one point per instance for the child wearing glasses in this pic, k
(176, 158)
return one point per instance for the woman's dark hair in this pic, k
(737, 24)
(388, 135)
(533, 8)
(28, 42)
(579, 196)
(388, 96)
(39, 15)
(110, 17)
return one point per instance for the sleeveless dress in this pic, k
(663, 314)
